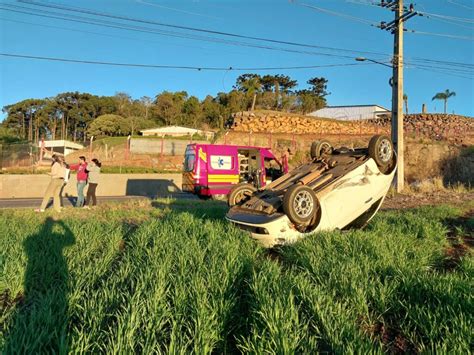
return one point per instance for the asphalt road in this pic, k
(69, 201)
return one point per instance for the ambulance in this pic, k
(212, 171)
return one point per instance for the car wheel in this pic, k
(240, 193)
(319, 148)
(204, 197)
(300, 204)
(381, 150)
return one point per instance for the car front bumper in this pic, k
(268, 231)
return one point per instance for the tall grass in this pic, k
(179, 279)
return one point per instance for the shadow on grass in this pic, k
(461, 241)
(40, 322)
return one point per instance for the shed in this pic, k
(351, 113)
(63, 147)
(176, 131)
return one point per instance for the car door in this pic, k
(350, 197)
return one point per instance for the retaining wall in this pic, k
(150, 185)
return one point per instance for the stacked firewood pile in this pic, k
(280, 122)
(433, 126)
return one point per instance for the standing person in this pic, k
(94, 171)
(55, 186)
(82, 175)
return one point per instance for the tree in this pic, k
(168, 106)
(133, 124)
(147, 102)
(278, 83)
(124, 102)
(8, 135)
(251, 85)
(307, 102)
(405, 101)
(444, 96)
(318, 87)
(284, 85)
(212, 112)
(109, 125)
(192, 111)
(313, 98)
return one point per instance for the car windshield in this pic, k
(189, 160)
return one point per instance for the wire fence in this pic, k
(18, 155)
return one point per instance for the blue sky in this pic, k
(277, 19)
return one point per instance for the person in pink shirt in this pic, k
(82, 176)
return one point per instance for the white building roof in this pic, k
(61, 143)
(173, 129)
(354, 112)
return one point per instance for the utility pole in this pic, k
(397, 97)
(396, 28)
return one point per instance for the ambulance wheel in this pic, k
(300, 204)
(240, 193)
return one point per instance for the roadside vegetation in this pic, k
(170, 277)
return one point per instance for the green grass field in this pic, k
(171, 277)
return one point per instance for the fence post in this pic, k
(90, 147)
(162, 143)
(127, 148)
(41, 150)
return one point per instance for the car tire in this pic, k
(381, 150)
(240, 193)
(319, 148)
(300, 204)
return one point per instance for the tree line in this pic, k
(76, 116)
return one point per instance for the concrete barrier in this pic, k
(150, 185)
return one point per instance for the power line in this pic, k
(209, 39)
(116, 25)
(146, 3)
(183, 67)
(336, 13)
(188, 28)
(226, 69)
(461, 5)
(452, 18)
(96, 33)
(437, 17)
(175, 34)
(466, 38)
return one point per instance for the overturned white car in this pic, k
(339, 189)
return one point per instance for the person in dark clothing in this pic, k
(93, 170)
